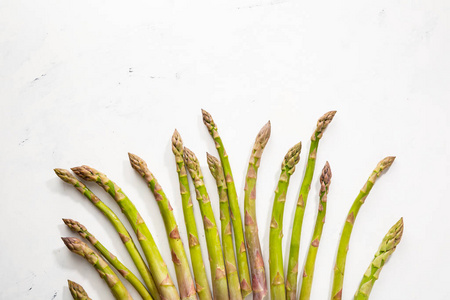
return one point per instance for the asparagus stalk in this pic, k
(201, 280)
(292, 271)
(387, 247)
(111, 258)
(158, 267)
(183, 273)
(77, 291)
(244, 273)
(117, 288)
(259, 285)
(277, 286)
(220, 287)
(339, 269)
(67, 177)
(308, 272)
(225, 221)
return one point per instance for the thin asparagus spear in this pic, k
(67, 177)
(183, 273)
(292, 271)
(239, 241)
(117, 288)
(220, 287)
(225, 221)
(77, 291)
(111, 258)
(339, 269)
(308, 272)
(387, 247)
(259, 284)
(277, 287)
(201, 280)
(158, 267)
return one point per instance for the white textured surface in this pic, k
(84, 82)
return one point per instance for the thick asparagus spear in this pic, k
(259, 284)
(158, 267)
(117, 288)
(67, 177)
(308, 271)
(244, 273)
(277, 287)
(77, 291)
(292, 271)
(183, 273)
(201, 280)
(387, 247)
(220, 287)
(339, 269)
(225, 224)
(111, 258)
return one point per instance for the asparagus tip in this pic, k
(207, 119)
(177, 143)
(214, 165)
(264, 134)
(85, 172)
(322, 124)
(325, 178)
(384, 164)
(136, 162)
(293, 156)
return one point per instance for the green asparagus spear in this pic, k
(201, 280)
(239, 241)
(158, 267)
(67, 177)
(292, 271)
(77, 291)
(387, 247)
(277, 287)
(111, 258)
(338, 281)
(117, 288)
(220, 287)
(259, 285)
(225, 221)
(308, 272)
(184, 278)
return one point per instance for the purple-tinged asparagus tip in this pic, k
(264, 134)
(85, 172)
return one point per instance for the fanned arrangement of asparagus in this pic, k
(236, 260)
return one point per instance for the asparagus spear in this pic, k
(220, 287)
(67, 177)
(308, 271)
(225, 221)
(259, 285)
(183, 273)
(158, 268)
(387, 247)
(201, 280)
(338, 281)
(277, 287)
(77, 291)
(117, 288)
(292, 271)
(111, 258)
(244, 273)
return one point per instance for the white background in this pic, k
(85, 82)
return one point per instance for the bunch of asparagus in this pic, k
(236, 260)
